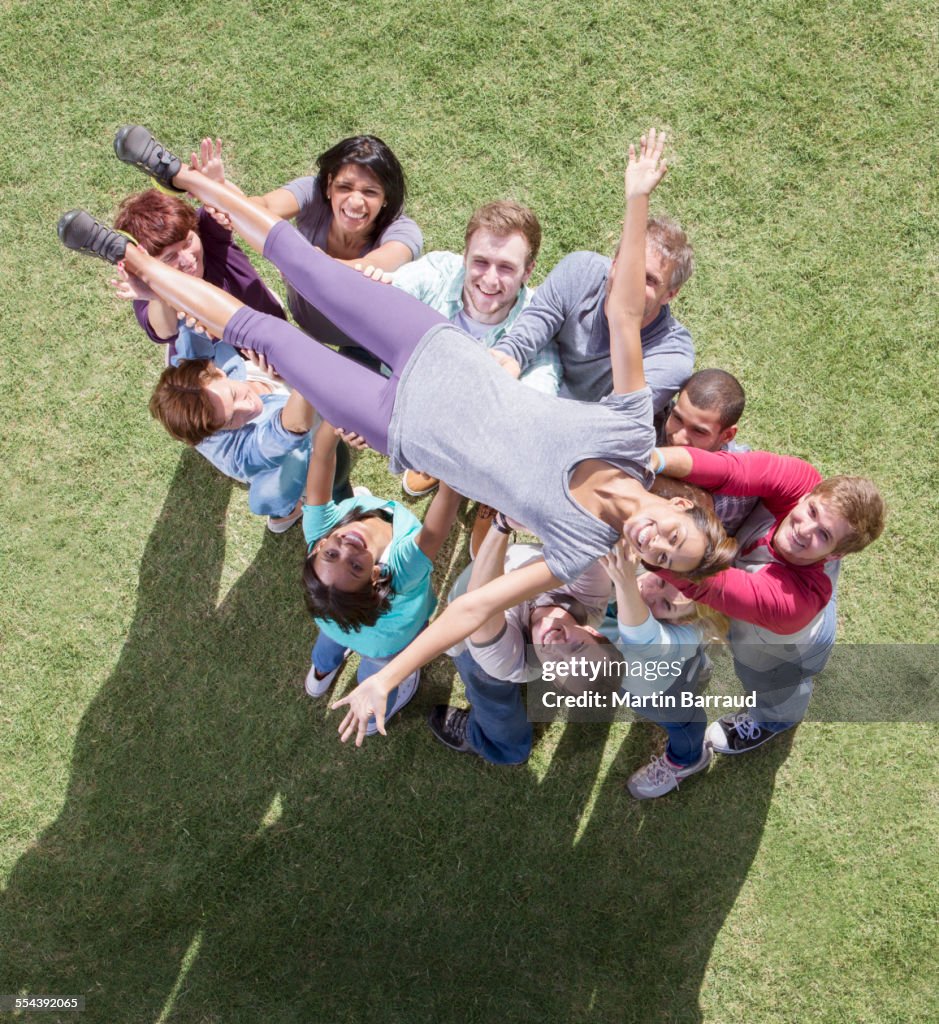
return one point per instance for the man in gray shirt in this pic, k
(569, 309)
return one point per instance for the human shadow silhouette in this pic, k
(399, 882)
(108, 899)
(422, 919)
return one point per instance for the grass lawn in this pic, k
(182, 837)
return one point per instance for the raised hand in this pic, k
(645, 169)
(129, 286)
(621, 562)
(208, 160)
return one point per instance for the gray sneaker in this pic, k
(135, 145)
(80, 231)
(660, 776)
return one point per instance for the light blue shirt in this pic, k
(437, 280)
(261, 444)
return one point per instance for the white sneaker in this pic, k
(406, 690)
(361, 492)
(282, 525)
(316, 685)
(660, 776)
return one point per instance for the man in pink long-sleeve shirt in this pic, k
(780, 593)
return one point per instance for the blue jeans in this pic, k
(328, 655)
(498, 728)
(685, 727)
(782, 678)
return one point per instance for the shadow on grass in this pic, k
(220, 857)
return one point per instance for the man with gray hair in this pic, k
(569, 309)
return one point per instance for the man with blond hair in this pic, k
(483, 291)
(569, 310)
(780, 594)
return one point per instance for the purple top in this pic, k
(228, 268)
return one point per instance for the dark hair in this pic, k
(717, 391)
(156, 220)
(182, 404)
(370, 152)
(350, 610)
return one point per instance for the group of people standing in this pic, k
(570, 412)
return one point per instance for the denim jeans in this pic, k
(782, 678)
(328, 655)
(498, 728)
(685, 727)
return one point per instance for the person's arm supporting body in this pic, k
(460, 619)
(537, 324)
(439, 520)
(489, 565)
(297, 415)
(322, 469)
(779, 597)
(778, 480)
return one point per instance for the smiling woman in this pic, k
(353, 207)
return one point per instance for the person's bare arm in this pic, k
(489, 565)
(388, 256)
(625, 304)
(439, 520)
(456, 623)
(298, 415)
(322, 468)
(281, 202)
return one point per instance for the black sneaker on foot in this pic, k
(135, 145)
(449, 726)
(80, 231)
(738, 734)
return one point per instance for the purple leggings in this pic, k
(379, 317)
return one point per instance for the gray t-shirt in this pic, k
(568, 308)
(313, 222)
(506, 445)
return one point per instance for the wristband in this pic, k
(661, 464)
(501, 524)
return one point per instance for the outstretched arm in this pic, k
(625, 304)
(455, 623)
(620, 565)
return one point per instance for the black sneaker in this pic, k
(135, 145)
(449, 726)
(80, 231)
(738, 734)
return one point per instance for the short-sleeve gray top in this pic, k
(460, 417)
(313, 222)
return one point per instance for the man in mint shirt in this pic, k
(483, 292)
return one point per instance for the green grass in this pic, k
(183, 838)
